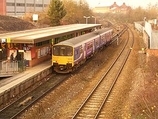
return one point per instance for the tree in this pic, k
(56, 12)
(75, 11)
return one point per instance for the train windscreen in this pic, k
(61, 50)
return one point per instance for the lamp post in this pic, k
(86, 19)
(95, 19)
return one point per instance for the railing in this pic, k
(7, 67)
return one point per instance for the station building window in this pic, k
(10, 4)
(39, 5)
(47, 42)
(43, 48)
(29, 5)
(20, 4)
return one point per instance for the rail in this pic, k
(95, 101)
(15, 109)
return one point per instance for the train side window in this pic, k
(81, 49)
(76, 52)
(96, 41)
(90, 45)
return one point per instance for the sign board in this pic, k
(3, 40)
(155, 21)
(35, 17)
(8, 40)
(21, 50)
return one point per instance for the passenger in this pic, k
(12, 57)
(11, 60)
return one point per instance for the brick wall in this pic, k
(153, 52)
(2, 7)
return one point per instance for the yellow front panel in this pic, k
(62, 60)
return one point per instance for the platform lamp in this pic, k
(86, 19)
(95, 19)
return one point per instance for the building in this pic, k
(148, 29)
(20, 7)
(114, 8)
(104, 9)
(119, 9)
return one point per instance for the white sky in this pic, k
(132, 3)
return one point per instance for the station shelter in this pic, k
(35, 46)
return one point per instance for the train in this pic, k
(70, 54)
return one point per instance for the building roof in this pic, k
(114, 5)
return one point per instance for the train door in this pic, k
(84, 51)
(89, 48)
(96, 43)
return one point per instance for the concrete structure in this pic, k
(11, 90)
(20, 7)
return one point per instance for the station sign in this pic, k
(35, 17)
(5, 40)
(21, 50)
(8, 40)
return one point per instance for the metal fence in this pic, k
(7, 67)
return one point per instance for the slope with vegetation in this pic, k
(9, 24)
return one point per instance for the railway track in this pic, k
(92, 106)
(15, 109)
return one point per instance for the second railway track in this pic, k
(14, 110)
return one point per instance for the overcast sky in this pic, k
(132, 3)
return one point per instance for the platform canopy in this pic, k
(38, 35)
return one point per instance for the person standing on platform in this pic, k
(11, 59)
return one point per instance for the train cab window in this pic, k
(69, 51)
(62, 51)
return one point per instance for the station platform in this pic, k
(2, 76)
(13, 80)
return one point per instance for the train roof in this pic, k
(42, 34)
(77, 40)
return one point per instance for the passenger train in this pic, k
(68, 55)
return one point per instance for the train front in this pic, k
(62, 58)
